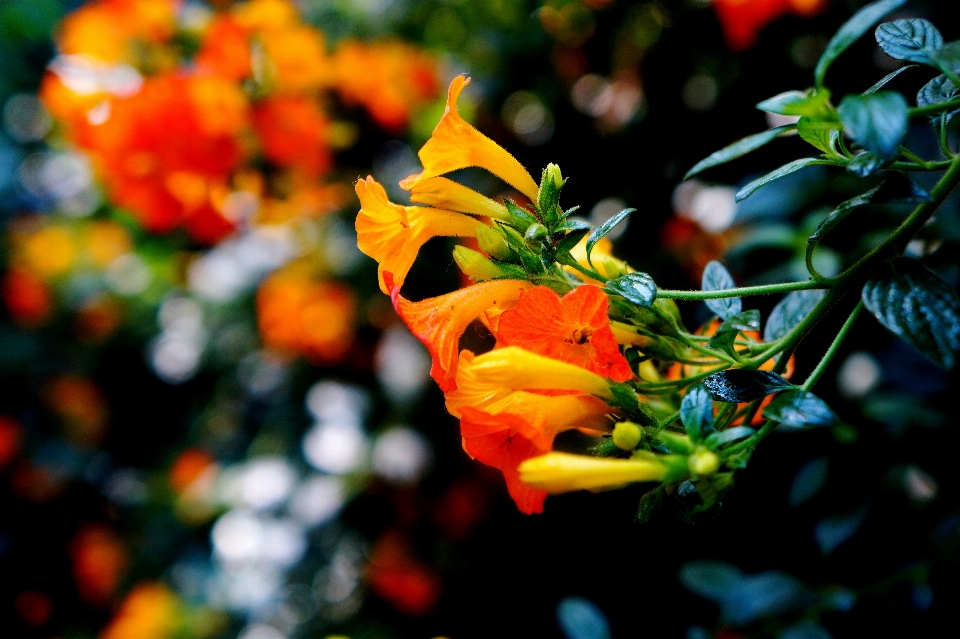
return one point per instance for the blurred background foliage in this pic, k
(212, 424)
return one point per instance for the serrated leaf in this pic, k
(877, 121)
(822, 134)
(808, 481)
(639, 288)
(800, 409)
(649, 505)
(890, 76)
(913, 40)
(786, 169)
(789, 312)
(851, 31)
(936, 91)
(717, 278)
(696, 413)
(805, 103)
(605, 228)
(913, 303)
(739, 385)
(737, 149)
(716, 440)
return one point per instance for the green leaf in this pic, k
(520, 217)
(696, 413)
(913, 303)
(649, 505)
(726, 333)
(936, 91)
(822, 134)
(806, 103)
(716, 440)
(890, 76)
(877, 121)
(571, 239)
(739, 385)
(737, 149)
(866, 164)
(913, 40)
(836, 216)
(831, 532)
(639, 288)
(605, 228)
(574, 224)
(800, 409)
(789, 312)
(717, 278)
(851, 31)
(808, 481)
(548, 198)
(786, 169)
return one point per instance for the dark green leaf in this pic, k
(851, 31)
(877, 121)
(737, 149)
(520, 217)
(696, 413)
(836, 216)
(649, 505)
(574, 224)
(831, 532)
(727, 332)
(822, 134)
(912, 302)
(913, 40)
(808, 481)
(800, 409)
(890, 76)
(580, 618)
(786, 169)
(805, 630)
(936, 91)
(716, 440)
(789, 312)
(739, 385)
(605, 228)
(639, 288)
(805, 103)
(866, 164)
(717, 278)
(571, 239)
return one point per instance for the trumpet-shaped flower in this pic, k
(574, 329)
(442, 193)
(393, 234)
(563, 472)
(455, 144)
(439, 322)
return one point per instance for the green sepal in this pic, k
(520, 218)
(548, 199)
(535, 234)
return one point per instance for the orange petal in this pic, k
(455, 144)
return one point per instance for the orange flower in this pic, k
(298, 59)
(455, 144)
(393, 234)
(28, 298)
(225, 50)
(116, 30)
(99, 560)
(294, 132)
(742, 20)
(574, 329)
(398, 577)
(148, 612)
(439, 322)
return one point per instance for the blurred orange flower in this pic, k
(99, 560)
(148, 612)
(742, 20)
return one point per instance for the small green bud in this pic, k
(553, 172)
(703, 462)
(475, 265)
(626, 435)
(493, 243)
(536, 233)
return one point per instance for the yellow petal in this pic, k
(455, 144)
(447, 194)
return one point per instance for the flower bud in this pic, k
(536, 233)
(563, 472)
(553, 172)
(703, 462)
(475, 265)
(626, 435)
(493, 243)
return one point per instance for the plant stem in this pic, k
(935, 108)
(765, 289)
(834, 347)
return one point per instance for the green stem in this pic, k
(910, 155)
(834, 347)
(765, 289)
(939, 107)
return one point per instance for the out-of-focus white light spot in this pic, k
(402, 364)
(236, 265)
(174, 359)
(262, 372)
(858, 375)
(335, 447)
(237, 536)
(340, 246)
(920, 486)
(267, 482)
(240, 206)
(700, 92)
(64, 175)
(126, 487)
(683, 196)
(86, 76)
(128, 275)
(606, 209)
(25, 118)
(217, 276)
(194, 16)
(592, 94)
(80, 204)
(778, 119)
(394, 161)
(318, 500)
(401, 455)
(248, 587)
(338, 581)
(713, 208)
(261, 631)
(335, 402)
(528, 118)
(284, 543)
(627, 101)
(100, 113)
(181, 317)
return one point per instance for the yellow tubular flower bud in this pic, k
(518, 369)
(703, 462)
(563, 472)
(442, 193)
(554, 172)
(475, 265)
(492, 242)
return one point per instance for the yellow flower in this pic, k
(562, 472)
(447, 194)
(393, 234)
(455, 144)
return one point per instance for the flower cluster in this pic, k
(580, 339)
